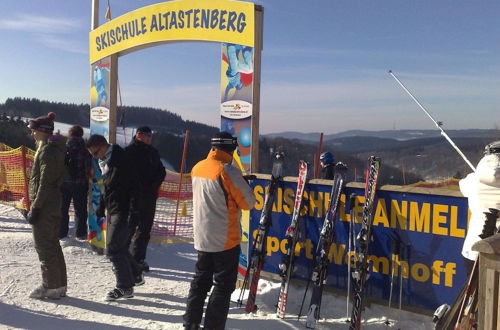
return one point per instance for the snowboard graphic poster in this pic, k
(96, 225)
(99, 98)
(237, 97)
(236, 118)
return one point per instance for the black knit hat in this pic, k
(492, 148)
(43, 124)
(224, 141)
(144, 130)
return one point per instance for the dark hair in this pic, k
(75, 131)
(96, 140)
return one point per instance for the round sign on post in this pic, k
(99, 114)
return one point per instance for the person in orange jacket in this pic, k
(219, 192)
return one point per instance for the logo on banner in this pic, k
(236, 109)
(99, 114)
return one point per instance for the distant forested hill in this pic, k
(169, 126)
(80, 113)
(416, 153)
(296, 150)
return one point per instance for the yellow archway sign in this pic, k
(237, 25)
(214, 20)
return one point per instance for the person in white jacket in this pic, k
(482, 188)
(219, 193)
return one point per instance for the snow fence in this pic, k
(174, 208)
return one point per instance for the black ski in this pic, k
(320, 270)
(364, 237)
(292, 235)
(258, 253)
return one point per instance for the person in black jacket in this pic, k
(327, 165)
(119, 200)
(151, 173)
(76, 183)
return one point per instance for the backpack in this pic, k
(71, 165)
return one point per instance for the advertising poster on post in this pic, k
(99, 97)
(236, 97)
(236, 116)
(99, 124)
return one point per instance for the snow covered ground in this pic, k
(159, 304)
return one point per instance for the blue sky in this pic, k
(324, 64)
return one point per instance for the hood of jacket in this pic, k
(58, 141)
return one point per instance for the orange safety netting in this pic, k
(15, 168)
(174, 207)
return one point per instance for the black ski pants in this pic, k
(212, 268)
(140, 224)
(78, 193)
(124, 266)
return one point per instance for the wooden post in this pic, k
(94, 19)
(113, 96)
(489, 282)
(259, 18)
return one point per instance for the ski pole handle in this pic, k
(352, 200)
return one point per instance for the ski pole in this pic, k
(304, 298)
(403, 254)
(393, 250)
(239, 302)
(438, 124)
(352, 199)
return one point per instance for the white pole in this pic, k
(94, 23)
(443, 133)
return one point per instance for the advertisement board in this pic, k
(100, 97)
(420, 234)
(237, 97)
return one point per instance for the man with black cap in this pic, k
(482, 188)
(119, 200)
(219, 192)
(150, 172)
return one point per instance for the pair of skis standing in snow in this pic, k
(326, 237)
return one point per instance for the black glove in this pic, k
(33, 215)
(101, 208)
(100, 212)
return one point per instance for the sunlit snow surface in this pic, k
(159, 304)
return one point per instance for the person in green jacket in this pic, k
(44, 216)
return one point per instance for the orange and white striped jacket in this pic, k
(219, 192)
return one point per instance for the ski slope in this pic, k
(159, 304)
